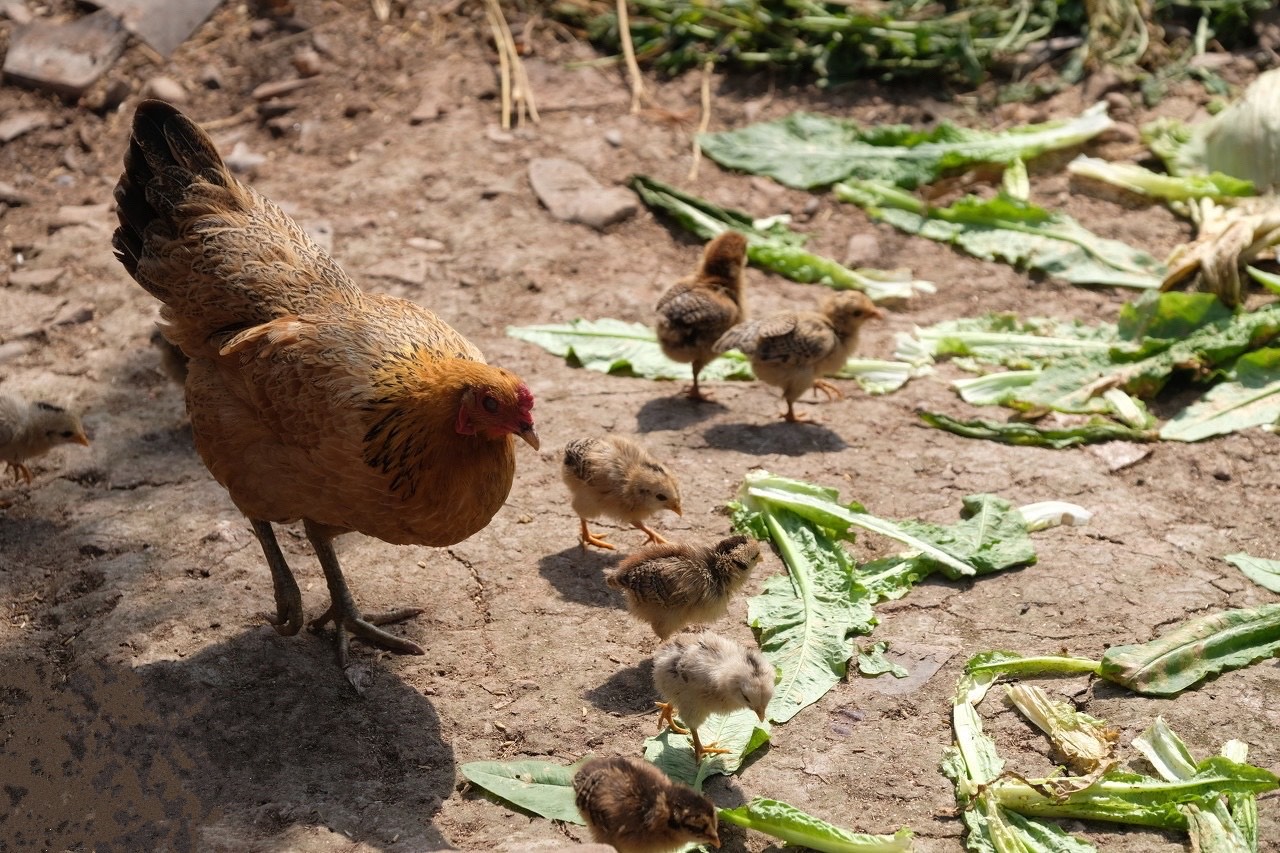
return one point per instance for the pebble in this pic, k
(23, 121)
(65, 56)
(210, 77)
(425, 244)
(572, 194)
(39, 279)
(428, 109)
(243, 161)
(79, 214)
(14, 350)
(494, 133)
(276, 88)
(17, 11)
(73, 315)
(11, 195)
(357, 108)
(165, 89)
(307, 62)
(863, 250)
(613, 136)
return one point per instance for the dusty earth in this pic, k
(146, 704)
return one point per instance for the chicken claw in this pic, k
(589, 538)
(654, 536)
(832, 391)
(699, 750)
(288, 617)
(791, 417)
(666, 719)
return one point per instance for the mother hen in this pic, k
(310, 399)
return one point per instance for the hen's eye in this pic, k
(661, 497)
(490, 405)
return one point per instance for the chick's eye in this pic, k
(661, 497)
(66, 433)
(490, 404)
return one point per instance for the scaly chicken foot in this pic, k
(791, 417)
(833, 392)
(654, 536)
(288, 618)
(342, 610)
(666, 719)
(697, 394)
(589, 538)
(700, 750)
(19, 472)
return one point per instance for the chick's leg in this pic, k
(696, 393)
(589, 538)
(666, 719)
(342, 608)
(288, 618)
(832, 391)
(710, 749)
(654, 536)
(792, 417)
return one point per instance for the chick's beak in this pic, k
(530, 434)
(677, 509)
(761, 714)
(876, 313)
(81, 438)
(714, 840)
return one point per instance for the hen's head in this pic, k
(496, 407)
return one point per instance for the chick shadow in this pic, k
(579, 576)
(786, 439)
(628, 691)
(257, 736)
(676, 412)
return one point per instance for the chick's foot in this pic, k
(654, 536)
(791, 417)
(666, 719)
(700, 750)
(589, 538)
(833, 392)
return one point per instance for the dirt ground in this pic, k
(147, 705)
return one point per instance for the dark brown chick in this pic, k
(702, 674)
(794, 350)
(637, 808)
(699, 308)
(310, 399)
(616, 477)
(675, 585)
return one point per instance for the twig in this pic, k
(494, 14)
(705, 121)
(629, 54)
(514, 80)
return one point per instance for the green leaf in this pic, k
(806, 151)
(771, 245)
(618, 347)
(796, 828)
(1007, 340)
(1195, 650)
(1029, 435)
(740, 732)
(1169, 316)
(1012, 231)
(1270, 281)
(1250, 397)
(540, 787)
(1265, 573)
(872, 662)
(1135, 178)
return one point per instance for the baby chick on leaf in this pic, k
(637, 808)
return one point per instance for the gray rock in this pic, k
(14, 350)
(613, 136)
(428, 109)
(426, 244)
(571, 194)
(162, 24)
(166, 89)
(65, 57)
(16, 11)
(11, 195)
(73, 315)
(307, 62)
(39, 279)
(23, 121)
(80, 214)
(862, 251)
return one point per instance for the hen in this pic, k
(616, 477)
(698, 309)
(794, 350)
(637, 808)
(310, 399)
(28, 430)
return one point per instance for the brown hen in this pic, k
(310, 399)
(698, 309)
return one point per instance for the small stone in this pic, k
(14, 350)
(73, 315)
(571, 194)
(165, 89)
(243, 161)
(494, 133)
(613, 136)
(357, 108)
(16, 11)
(65, 57)
(261, 28)
(79, 214)
(307, 62)
(863, 250)
(12, 196)
(38, 280)
(210, 77)
(428, 109)
(276, 88)
(426, 244)
(23, 121)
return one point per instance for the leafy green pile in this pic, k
(1107, 370)
(1214, 799)
(631, 349)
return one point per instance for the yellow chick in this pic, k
(28, 430)
(674, 585)
(698, 675)
(616, 477)
(637, 808)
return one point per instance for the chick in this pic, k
(795, 349)
(28, 430)
(637, 808)
(674, 585)
(699, 308)
(703, 674)
(616, 477)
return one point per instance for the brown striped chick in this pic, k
(616, 477)
(698, 675)
(699, 308)
(28, 430)
(637, 808)
(675, 585)
(794, 350)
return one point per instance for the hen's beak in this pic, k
(81, 438)
(530, 434)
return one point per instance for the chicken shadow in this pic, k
(627, 691)
(783, 438)
(103, 755)
(675, 413)
(579, 577)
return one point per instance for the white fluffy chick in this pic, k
(28, 430)
(703, 674)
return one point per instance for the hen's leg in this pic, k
(288, 618)
(342, 608)
(666, 719)
(710, 749)
(589, 538)
(654, 536)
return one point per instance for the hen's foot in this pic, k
(654, 536)
(698, 395)
(365, 627)
(833, 392)
(19, 472)
(288, 616)
(666, 719)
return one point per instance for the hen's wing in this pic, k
(219, 256)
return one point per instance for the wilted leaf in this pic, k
(540, 787)
(799, 829)
(1249, 397)
(1265, 573)
(872, 662)
(1026, 434)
